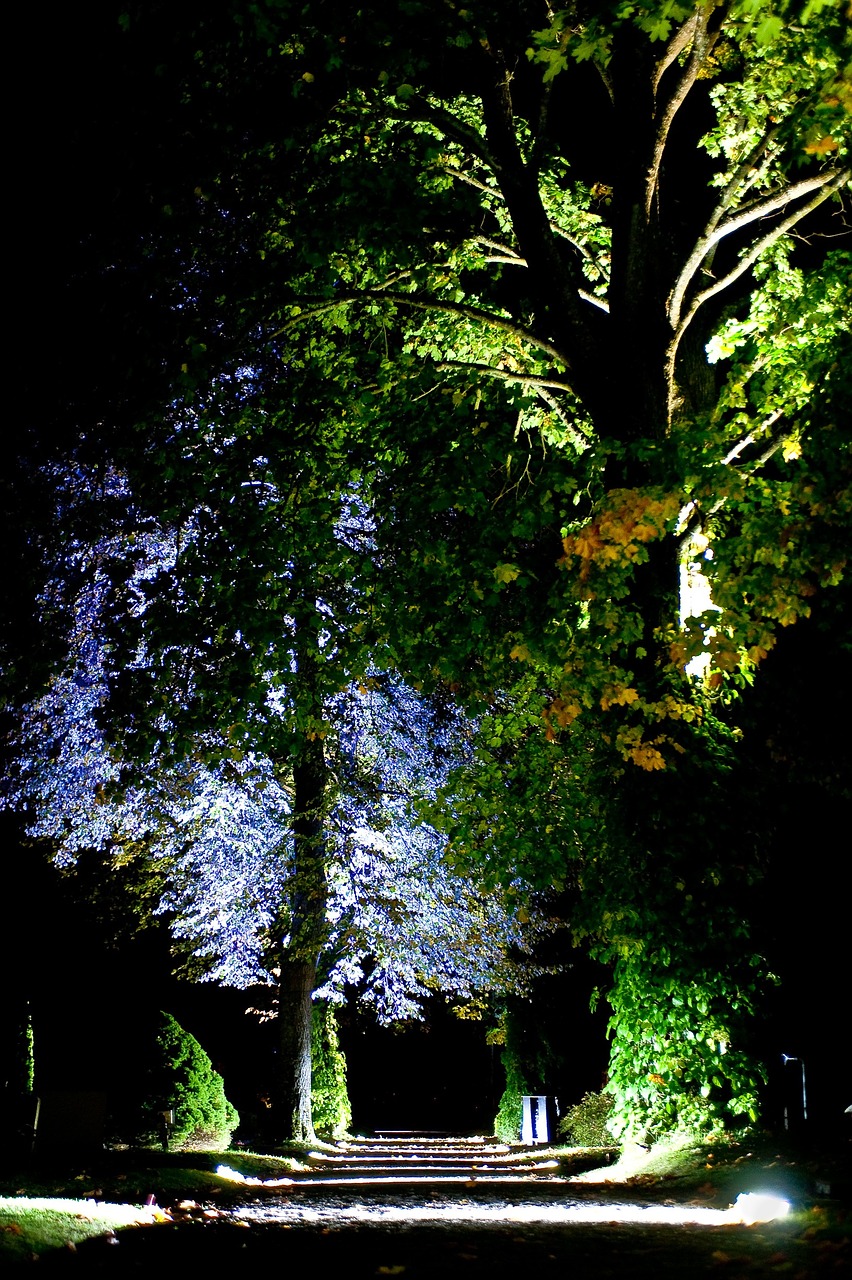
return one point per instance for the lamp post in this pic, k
(785, 1058)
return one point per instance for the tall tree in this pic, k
(564, 283)
(588, 267)
(310, 871)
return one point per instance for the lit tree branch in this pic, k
(824, 184)
(505, 375)
(681, 39)
(451, 127)
(475, 314)
(578, 437)
(694, 31)
(507, 258)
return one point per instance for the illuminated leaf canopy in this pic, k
(513, 359)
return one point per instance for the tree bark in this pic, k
(295, 989)
(308, 901)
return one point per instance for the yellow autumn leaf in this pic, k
(643, 754)
(520, 653)
(677, 653)
(588, 543)
(821, 146)
(647, 758)
(563, 713)
(506, 572)
(618, 696)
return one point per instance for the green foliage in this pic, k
(181, 1078)
(330, 1107)
(509, 1118)
(20, 1067)
(510, 1112)
(676, 1064)
(658, 887)
(585, 1124)
(667, 905)
(432, 315)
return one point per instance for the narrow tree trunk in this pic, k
(306, 917)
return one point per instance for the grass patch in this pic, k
(32, 1226)
(42, 1209)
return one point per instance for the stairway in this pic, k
(399, 1163)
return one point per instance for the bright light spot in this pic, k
(754, 1207)
(233, 1176)
(749, 1208)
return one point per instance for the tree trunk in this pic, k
(306, 920)
(295, 988)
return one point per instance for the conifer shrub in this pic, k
(331, 1111)
(180, 1079)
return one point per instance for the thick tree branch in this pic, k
(681, 40)
(824, 184)
(451, 127)
(505, 375)
(577, 435)
(476, 314)
(551, 271)
(697, 33)
(506, 253)
(600, 303)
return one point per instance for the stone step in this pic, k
(419, 1166)
(430, 1144)
(364, 1167)
(427, 1170)
(425, 1160)
(409, 1158)
(434, 1149)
